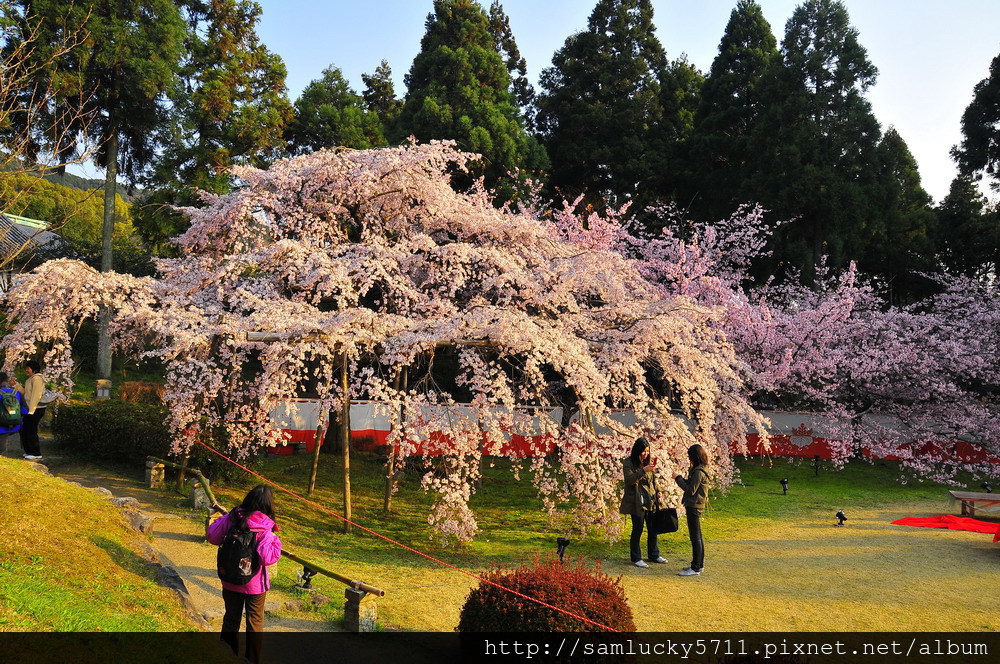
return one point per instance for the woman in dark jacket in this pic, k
(695, 488)
(640, 479)
(255, 513)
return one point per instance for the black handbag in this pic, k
(663, 521)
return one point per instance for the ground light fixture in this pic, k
(784, 486)
(304, 577)
(986, 487)
(561, 544)
(841, 517)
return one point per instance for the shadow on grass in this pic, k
(125, 557)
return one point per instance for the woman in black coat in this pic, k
(640, 500)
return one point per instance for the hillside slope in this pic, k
(69, 561)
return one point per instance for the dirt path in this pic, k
(178, 538)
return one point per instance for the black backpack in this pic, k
(10, 409)
(238, 560)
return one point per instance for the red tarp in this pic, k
(952, 523)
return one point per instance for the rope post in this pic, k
(359, 617)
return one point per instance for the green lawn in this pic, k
(774, 562)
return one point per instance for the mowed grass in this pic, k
(68, 561)
(774, 562)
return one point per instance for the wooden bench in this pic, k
(970, 501)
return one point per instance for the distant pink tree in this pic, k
(926, 373)
(371, 260)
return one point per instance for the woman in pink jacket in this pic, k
(255, 513)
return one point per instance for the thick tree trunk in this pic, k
(110, 181)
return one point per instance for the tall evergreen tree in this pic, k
(229, 106)
(903, 236)
(817, 139)
(680, 96)
(720, 158)
(380, 98)
(458, 88)
(968, 237)
(330, 114)
(517, 67)
(134, 51)
(600, 105)
(979, 152)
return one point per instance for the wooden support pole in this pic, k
(315, 467)
(345, 442)
(400, 382)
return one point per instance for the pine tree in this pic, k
(329, 113)
(968, 234)
(600, 106)
(517, 68)
(902, 246)
(229, 107)
(979, 152)
(680, 97)
(817, 140)
(380, 98)
(719, 153)
(458, 88)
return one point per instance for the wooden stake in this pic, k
(345, 442)
(315, 468)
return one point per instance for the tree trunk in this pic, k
(345, 441)
(104, 319)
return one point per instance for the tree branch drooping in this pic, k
(372, 256)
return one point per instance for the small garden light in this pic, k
(784, 485)
(561, 544)
(305, 578)
(986, 487)
(841, 517)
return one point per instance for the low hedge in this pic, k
(112, 430)
(129, 432)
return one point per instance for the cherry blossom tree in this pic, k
(371, 260)
(905, 382)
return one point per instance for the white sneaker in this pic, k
(32, 457)
(661, 560)
(687, 571)
(640, 563)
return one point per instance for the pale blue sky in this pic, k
(930, 53)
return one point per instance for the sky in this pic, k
(930, 53)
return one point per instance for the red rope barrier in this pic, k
(404, 546)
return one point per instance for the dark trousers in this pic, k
(29, 432)
(235, 603)
(697, 541)
(633, 542)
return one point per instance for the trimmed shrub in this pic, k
(574, 587)
(128, 432)
(112, 430)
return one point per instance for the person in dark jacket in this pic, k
(256, 512)
(695, 488)
(640, 500)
